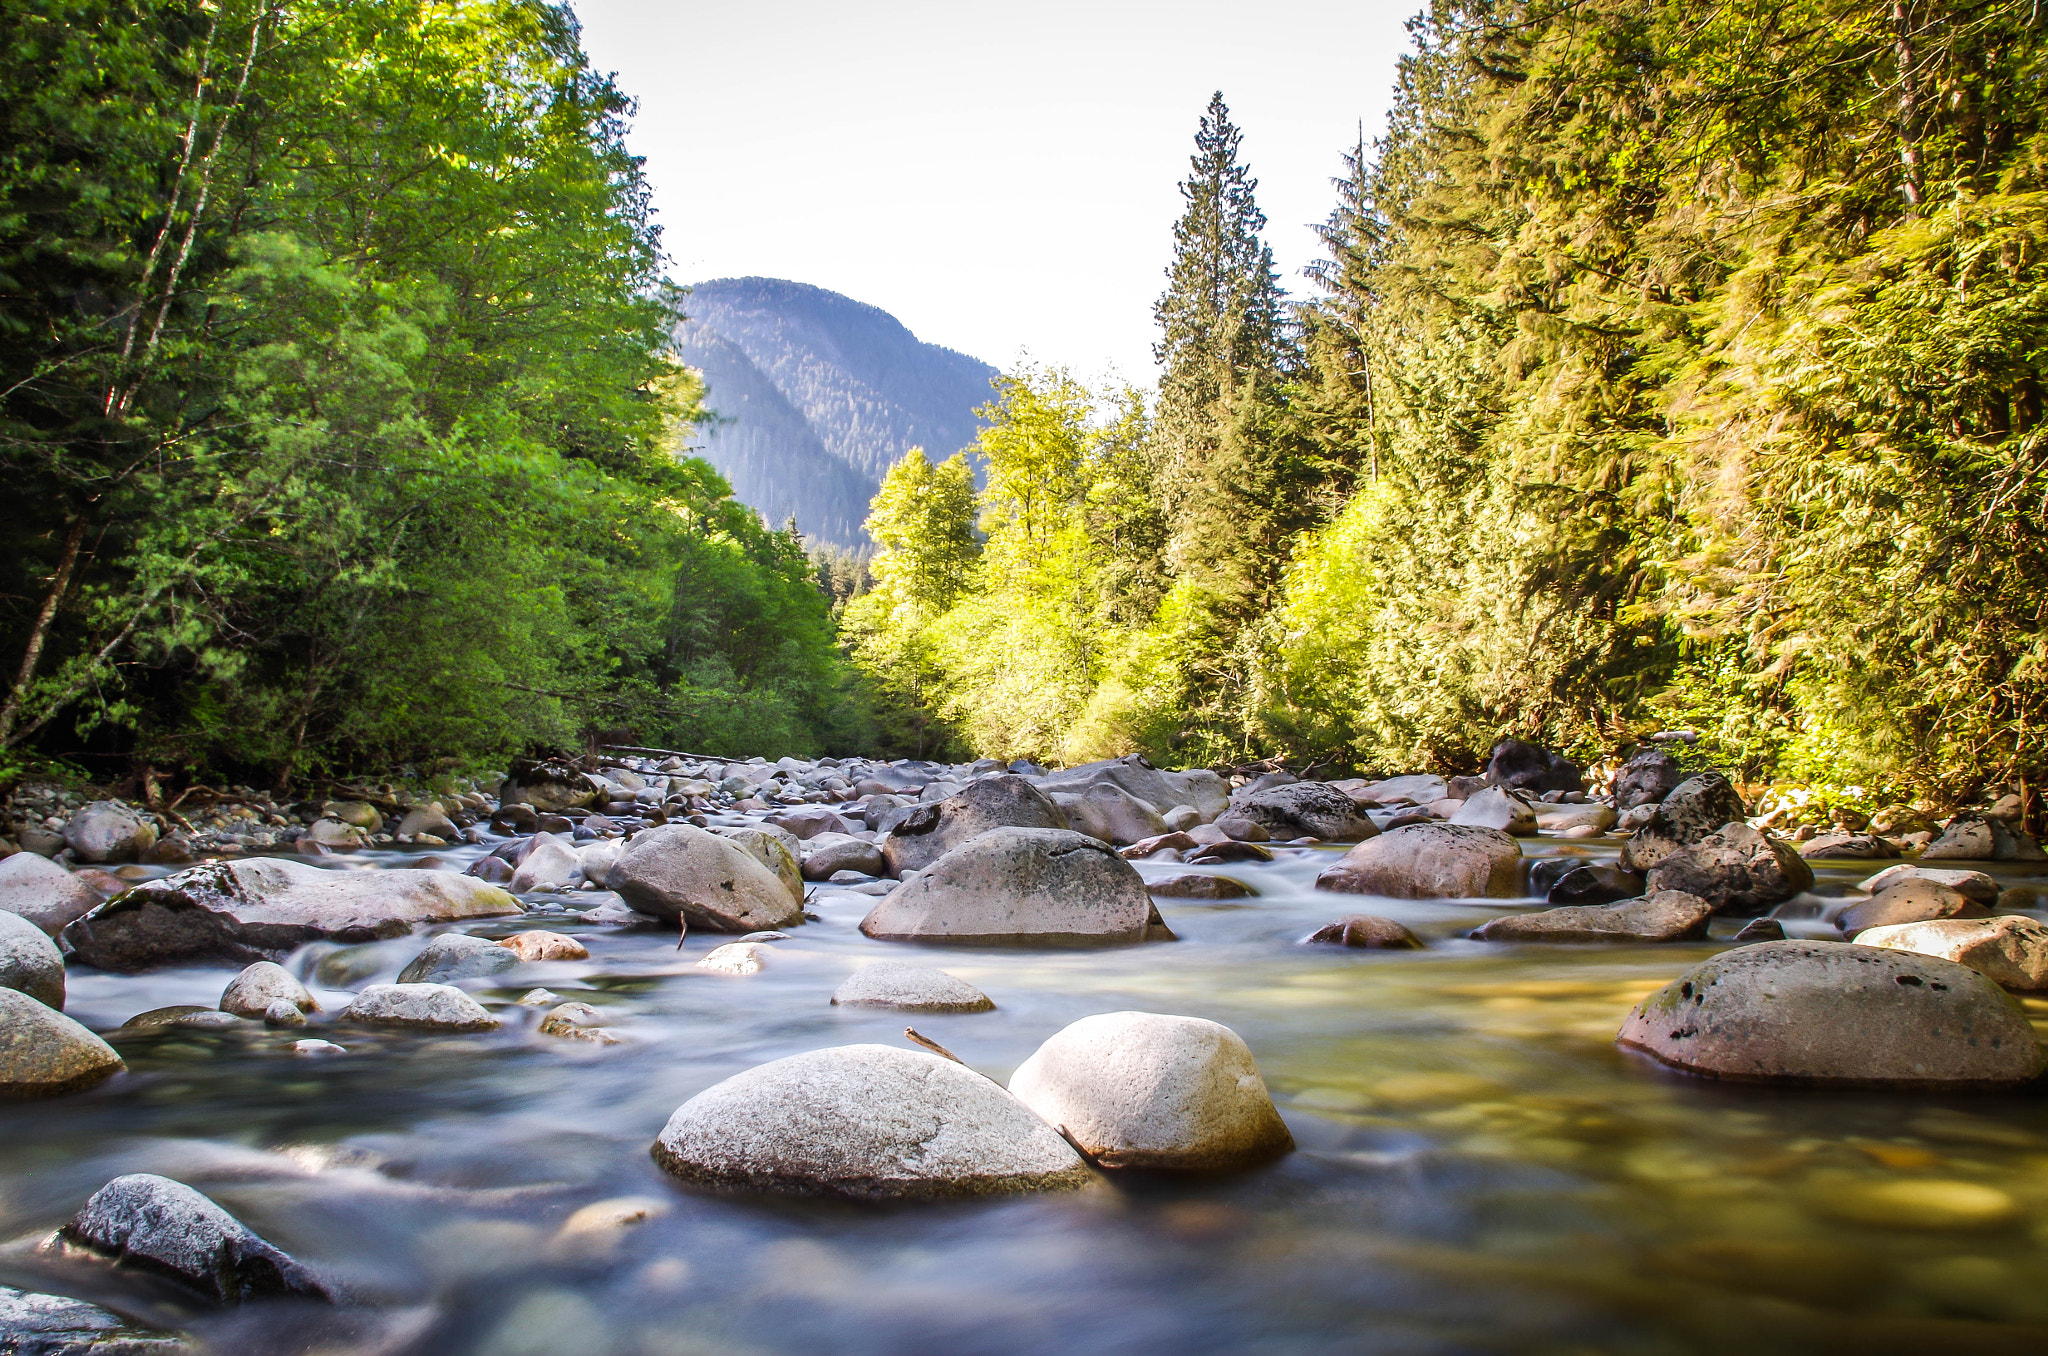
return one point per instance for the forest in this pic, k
(1670, 368)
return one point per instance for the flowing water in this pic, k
(1478, 1168)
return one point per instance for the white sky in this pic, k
(1001, 178)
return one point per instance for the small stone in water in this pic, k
(541, 945)
(595, 1232)
(577, 1021)
(734, 958)
(283, 1012)
(313, 1047)
(1761, 930)
(539, 998)
(1917, 1203)
(1367, 930)
(766, 937)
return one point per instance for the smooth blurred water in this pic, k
(1479, 1169)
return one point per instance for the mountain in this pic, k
(816, 394)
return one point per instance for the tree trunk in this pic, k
(39, 634)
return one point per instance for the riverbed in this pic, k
(1478, 1168)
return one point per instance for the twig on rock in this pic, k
(932, 1045)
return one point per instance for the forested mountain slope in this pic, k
(816, 394)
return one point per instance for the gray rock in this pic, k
(190, 1015)
(775, 848)
(2010, 950)
(549, 861)
(1148, 1090)
(1430, 861)
(1646, 778)
(1970, 884)
(1666, 916)
(52, 1325)
(1495, 808)
(1367, 930)
(808, 821)
(427, 1007)
(166, 1227)
(1199, 885)
(1739, 870)
(1109, 812)
(1909, 901)
(454, 955)
(1983, 839)
(1594, 883)
(1019, 886)
(1519, 766)
(931, 831)
(1416, 788)
(30, 961)
(263, 908)
(43, 1053)
(1308, 810)
(712, 883)
(867, 1122)
(1849, 846)
(1136, 775)
(1837, 1013)
(1589, 820)
(831, 853)
(43, 892)
(108, 831)
(911, 988)
(428, 819)
(1697, 807)
(1238, 828)
(257, 988)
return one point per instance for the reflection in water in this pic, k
(1479, 1169)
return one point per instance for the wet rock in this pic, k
(777, 849)
(831, 853)
(1019, 886)
(1984, 839)
(1240, 828)
(253, 992)
(317, 1048)
(1696, 808)
(1520, 766)
(263, 908)
(51, 1325)
(1761, 930)
(577, 1022)
(1646, 779)
(108, 831)
(358, 814)
(1217, 854)
(2011, 950)
(910, 988)
(1494, 808)
(1739, 870)
(1160, 842)
(735, 958)
(1109, 812)
(540, 945)
(1416, 789)
(454, 955)
(1846, 846)
(1908, 901)
(1914, 1203)
(427, 1007)
(808, 821)
(931, 831)
(546, 784)
(1575, 821)
(43, 1053)
(36, 888)
(1148, 1090)
(190, 1015)
(1199, 885)
(1594, 883)
(491, 870)
(1308, 810)
(1367, 930)
(1837, 1013)
(680, 872)
(1198, 787)
(431, 820)
(166, 1227)
(1430, 861)
(30, 962)
(550, 862)
(1666, 916)
(1970, 884)
(868, 1122)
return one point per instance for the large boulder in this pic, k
(166, 1227)
(1430, 861)
(1739, 870)
(547, 784)
(1495, 808)
(1696, 807)
(930, 831)
(1109, 812)
(1161, 791)
(108, 831)
(1837, 1013)
(1982, 838)
(420, 1007)
(773, 847)
(263, 908)
(1646, 778)
(2011, 950)
(1147, 1090)
(43, 1053)
(43, 892)
(29, 961)
(910, 988)
(456, 955)
(867, 1122)
(1521, 766)
(32, 1324)
(1019, 886)
(1667, 916)
(1308, 810)
(1911, 900)
(711, 883)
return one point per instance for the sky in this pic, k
(1001, 178)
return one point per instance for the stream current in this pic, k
(1478, 1168)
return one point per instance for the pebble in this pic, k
(1915, 1203)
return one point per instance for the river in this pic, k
(1478, 1168)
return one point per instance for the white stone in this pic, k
(912, 988)
(549, 861)
(1019, 885)
(735, 958)
(439, 1007)
(2011, 950)
(1969, 884)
